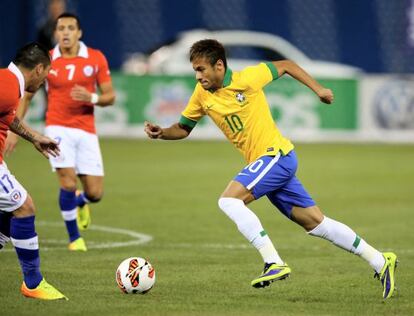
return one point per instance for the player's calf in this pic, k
(84, 215)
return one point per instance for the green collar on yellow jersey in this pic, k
(227, 77)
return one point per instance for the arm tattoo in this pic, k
(18, 128)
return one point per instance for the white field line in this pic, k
(136, 238)
(143, 239)
(246, 245)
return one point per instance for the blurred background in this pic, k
(363, 50)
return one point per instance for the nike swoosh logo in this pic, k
(209, 106)
(243, 174)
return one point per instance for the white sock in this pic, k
(251, 228)
(270, 254)
(344, 237)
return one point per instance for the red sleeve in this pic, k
(9, 93)
(104, 73)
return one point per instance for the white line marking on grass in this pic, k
(246, 245)
(137, 238)
(141, 239)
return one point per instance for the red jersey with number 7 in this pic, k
(88, 69)
(11, 90)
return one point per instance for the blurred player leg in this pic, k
(68, 207)
(89, 167)
(93, 191)
(84, 214)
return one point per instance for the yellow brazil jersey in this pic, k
(241, 111)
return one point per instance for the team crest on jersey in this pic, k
(88, 70)
(241, 98)
(16, 196)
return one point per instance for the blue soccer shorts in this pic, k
(274, 176)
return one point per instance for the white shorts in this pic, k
(78, 149)
(12, 193)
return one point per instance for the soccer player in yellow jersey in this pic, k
(235, 101)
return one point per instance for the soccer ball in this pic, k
(135, 275)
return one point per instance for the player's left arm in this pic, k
(45, 145)
(106, 98)
(291, 68)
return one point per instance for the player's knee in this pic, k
(308, 218)
(68, 184)
(227, 203)
(94, 196)
(223, 203)
(27, 208)
(67, 180)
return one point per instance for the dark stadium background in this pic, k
(373, 35)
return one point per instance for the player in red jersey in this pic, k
(76, 71)
(27, 72)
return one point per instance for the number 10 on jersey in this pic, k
(234, 122)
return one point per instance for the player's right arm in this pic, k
(45, 145)
(291, 68)
(21, 111)
(175, 131)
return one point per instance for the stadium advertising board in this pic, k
(162, 98)
(372, 108)
(387, 108)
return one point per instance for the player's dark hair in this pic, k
(69, 15)
(32, 54)
(211, 49)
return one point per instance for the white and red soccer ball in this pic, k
(135, 275)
